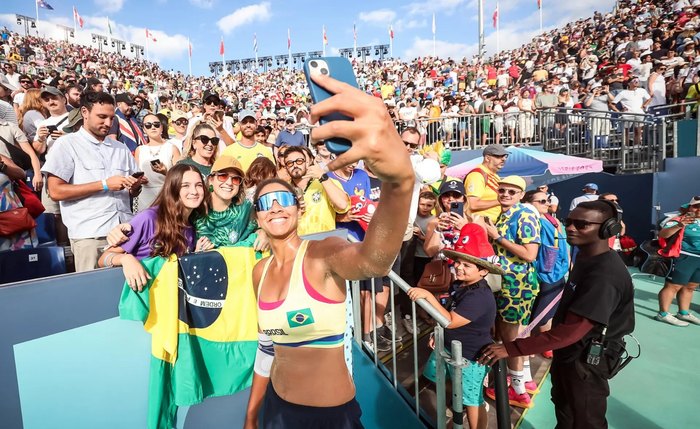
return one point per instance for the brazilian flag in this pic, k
(200, 311)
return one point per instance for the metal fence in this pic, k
(625, 142)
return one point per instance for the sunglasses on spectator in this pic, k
(541, 201)
(579, 223)
(182, 122)
(223, 178)
(283, 198)
(208, 140)
(210, 103)
(511, 192)
(25, 81)
(298, 161)
(411, 145)
(148, 125)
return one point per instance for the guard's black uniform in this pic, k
(599, 289)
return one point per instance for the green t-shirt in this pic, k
(691, 236)
(234, 226)
(204, 169)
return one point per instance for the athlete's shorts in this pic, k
(686, 269)
(472, 379)
(515, 299)
(280, 414)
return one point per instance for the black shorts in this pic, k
(366, 285)
(280, 414)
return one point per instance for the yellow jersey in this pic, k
(483, 184)
(246, 155)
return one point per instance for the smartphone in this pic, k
(457, 207)
(155, 162)
(138, 174)
(52, 128)
(219, 114)
(340, 69)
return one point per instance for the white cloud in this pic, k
(430, 6)
(245, 15)
(168, 46)
(109, 6)
(443, 49)
(204, 4)
(382, 17)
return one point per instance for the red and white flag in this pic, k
(391, 32)
(325, 36)
(221, 47)
(354, 32)
(289, 39)
(495, 17)
(150, 35)
(539, 4)
(77, 18)
(189, 47)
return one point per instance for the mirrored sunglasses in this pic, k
(283, 198)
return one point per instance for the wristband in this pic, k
(104, 185)
(323, 178)
(498, 239)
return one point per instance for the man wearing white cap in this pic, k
(247, 149)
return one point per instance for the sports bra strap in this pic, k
(264, 273)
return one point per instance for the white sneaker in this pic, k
(407, 323)
(690, 317)
(670, 319)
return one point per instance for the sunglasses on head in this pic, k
(579, 223)
(149, 125)
(298, 161)
(208, 140)
(510, 192)
(182, 122)
(223, 178)
(283, 198)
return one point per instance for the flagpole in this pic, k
(223, 59)
(540, 16)
(189, 55)
(354, 37)
(323, 40)
(391, 41)
(75, 24)
(255, 48)
(481, 29)
(289, 48)
(434, 34)
(36, 3)
(498, 29)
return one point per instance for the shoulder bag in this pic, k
(436, 277)
(17, 155)
(16, 220)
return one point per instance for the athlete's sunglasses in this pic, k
(283, 198)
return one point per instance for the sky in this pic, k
(205, 22)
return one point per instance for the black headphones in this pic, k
(612, 226)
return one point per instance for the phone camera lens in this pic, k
(324, 71)
(314, 64)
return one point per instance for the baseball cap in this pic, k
(226, 162)
(591, 186)
(51, 90)
(496, 150)
(245, 113)
(210, 94)
(694, 200)
(452, 186)
(178, 114)
(123, 97)
(516, 181)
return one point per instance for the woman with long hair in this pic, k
(31, 112)
(301, 287)
(163, 229)
(154, 158)
(200, 148)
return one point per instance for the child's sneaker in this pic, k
(520, 401)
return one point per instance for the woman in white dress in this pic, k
(526, 121)
(155, 159)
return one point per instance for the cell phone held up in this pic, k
(138, 175)
(457, 207)
(340, 69)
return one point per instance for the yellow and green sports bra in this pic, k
(304, 318)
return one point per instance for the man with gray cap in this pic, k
(482, 183)
(289, 135)
(247, 150)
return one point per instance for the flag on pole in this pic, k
(289, 39)
(78, 18)
(255, 43)
(434, 23)
(325, 37)
(221, 46)
(150, 35)
(495, 17)
(539, 4)
(42, 4)
(391, 32)
(109, 26)
(354, 32)
(189, 47)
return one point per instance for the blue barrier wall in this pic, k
(68, 361)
